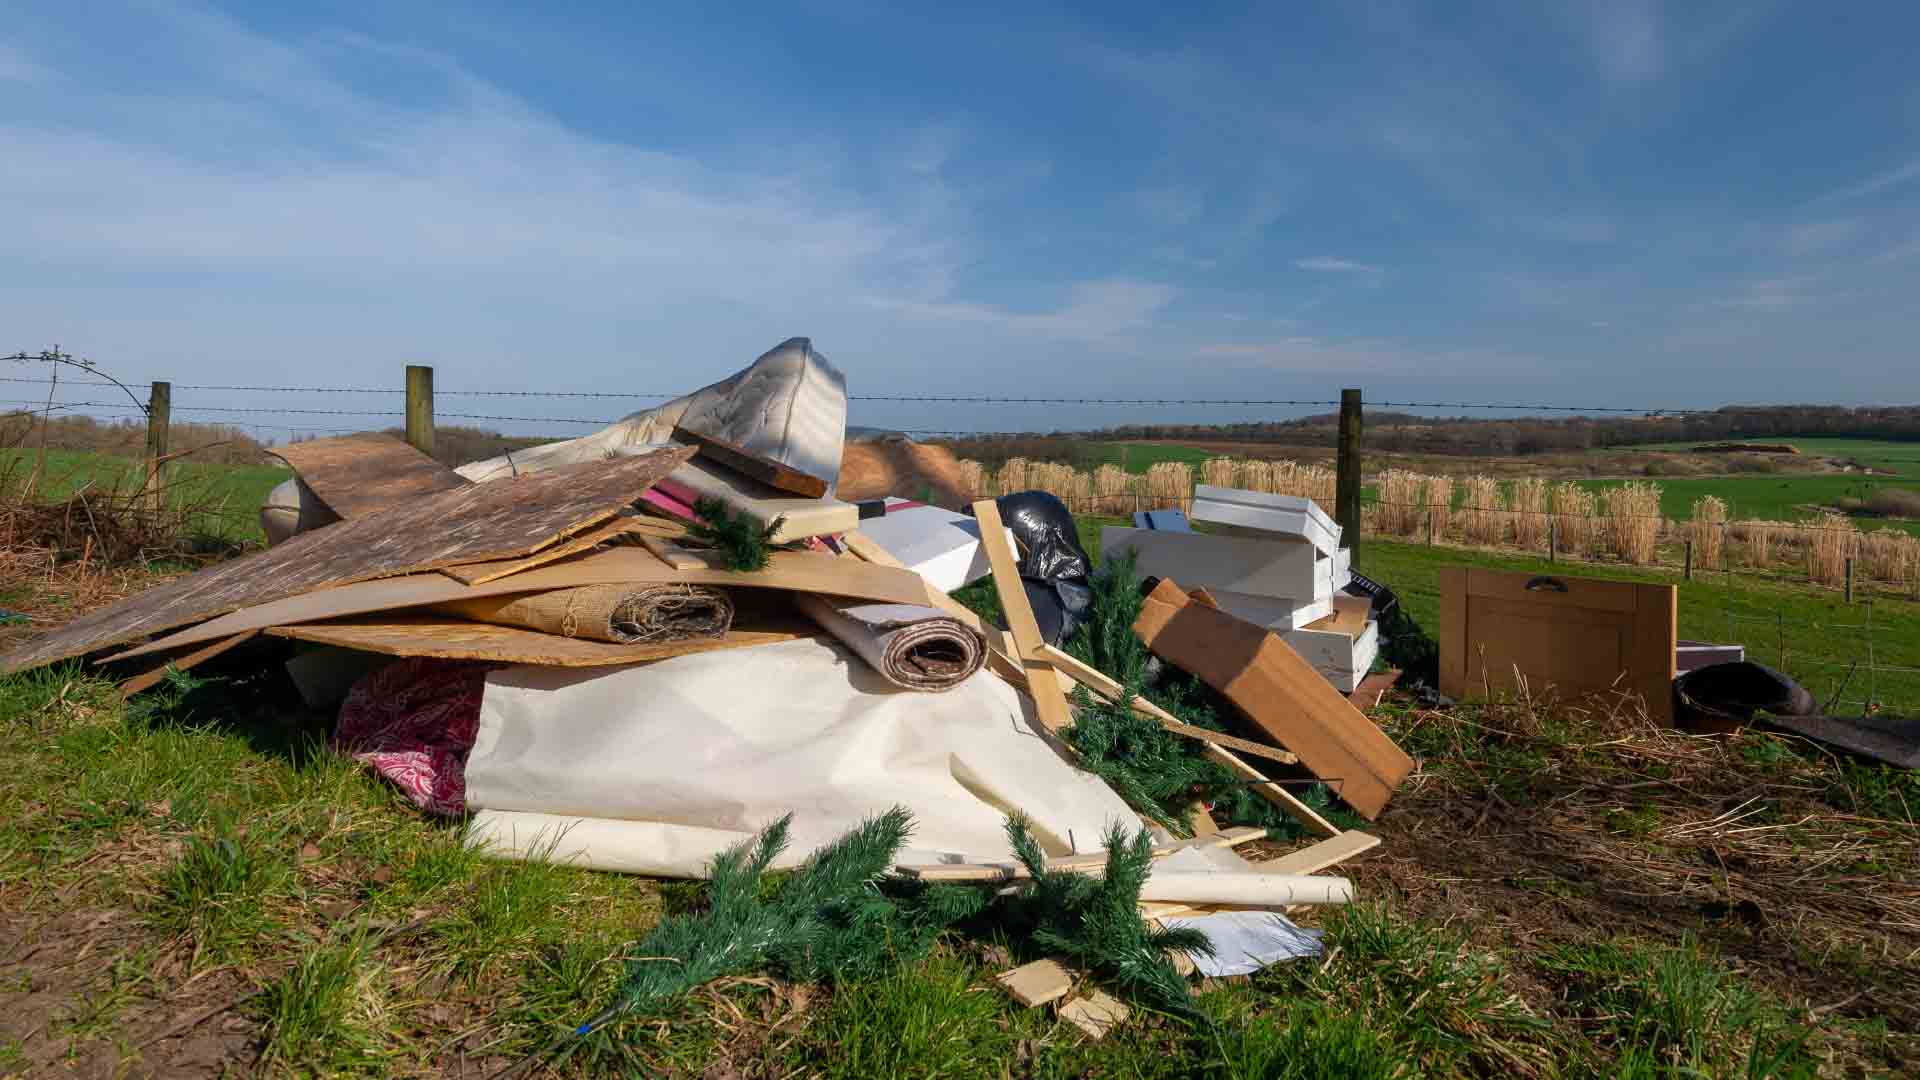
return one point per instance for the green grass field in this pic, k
(229, 494)
(1902, 458)
(195, 883)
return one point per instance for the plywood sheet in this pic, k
(357, 475)
(798, 571)
(496, 520)
(1500, 631)
(447, 638)
(483, 572)
(1279, 693)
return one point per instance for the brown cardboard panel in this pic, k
(1502, 631)
(1279, 693)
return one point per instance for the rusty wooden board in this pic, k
(794, 571)
(1501, 631)
(483, 572)
(744, 461)
(357, 475)
(447, 638)
(496, 520)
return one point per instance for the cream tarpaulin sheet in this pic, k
(657, 767)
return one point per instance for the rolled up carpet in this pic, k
(620, 613)
(911, 646)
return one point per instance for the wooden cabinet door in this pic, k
(1566, 635)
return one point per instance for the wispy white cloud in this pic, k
(1875, 184)
(1327, 264)
(1094, 310)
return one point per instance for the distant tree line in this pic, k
(1507, 436)
(213, 443)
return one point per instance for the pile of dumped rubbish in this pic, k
(718, 638)
(639, 650)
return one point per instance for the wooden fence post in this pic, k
(1346, 496)
(420, 408)
(1688, 573)
(159, 421)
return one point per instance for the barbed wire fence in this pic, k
(1852, 656)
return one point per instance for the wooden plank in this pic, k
(1317, 857)
(198, 656)
(481, 573)
(357, 475)
(741, 460)
(446, 638)
(1049, 702)
(1279, 693)
(1038, 983)
(1095, 1012)
(1092, 862)
(1308, 860)
(698, 480)
(1231, 742)
(1098, 682)
(796, 571)
(1569, 636)
(672, 554)
(496, 520)
(1367, 695)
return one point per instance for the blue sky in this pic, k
(1584, 203)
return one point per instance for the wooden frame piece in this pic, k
(1091, 863)
(1042, 681)
(744, 461)
(1308, 860)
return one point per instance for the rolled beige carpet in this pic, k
(623, 614)
(912, 647)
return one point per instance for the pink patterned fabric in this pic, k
(414, 722)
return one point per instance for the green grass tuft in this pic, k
(1673, 1013)
(318, 1015)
